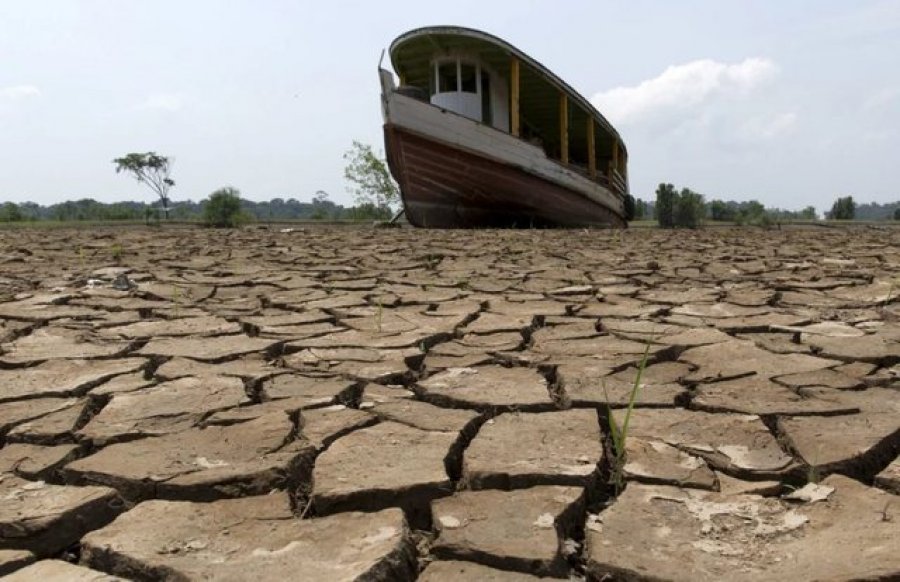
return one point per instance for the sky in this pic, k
(792, 103)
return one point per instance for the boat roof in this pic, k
(412, 53)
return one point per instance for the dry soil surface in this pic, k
(335, 403)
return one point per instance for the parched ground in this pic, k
(334, 403)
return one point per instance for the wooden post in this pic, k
(592, 149)
(514, 96)
(615, 158)
(563, 128)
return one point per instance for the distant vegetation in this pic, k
(843, 209)
(688, 209)
(685, 209)
(152, 170)
(276, 209)
(376, 194)
(223, 209)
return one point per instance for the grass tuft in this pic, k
(379, 315)
(618, 433)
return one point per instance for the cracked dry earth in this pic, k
(353, 404)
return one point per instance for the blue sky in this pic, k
(792, 103)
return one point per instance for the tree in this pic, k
(10, 212)
(321, 205)
(897, 214)
(752, 213)
(809, 213)
(844, 208)
(876, 211)
(719, 210)
(150, 169)
(689, 209)
(371, 183)
(630, 209)
(223, 209)
(665, 205)
(640, 209)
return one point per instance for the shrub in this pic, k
(753, 213)
(223, 209)
(665, 205)
(719, 210)
(686, 209)
(369, 211)
(640, 209)
(10, 212)
(689, 209)
(844, 208)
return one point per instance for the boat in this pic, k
(479, 134)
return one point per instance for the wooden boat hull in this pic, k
(445, 186)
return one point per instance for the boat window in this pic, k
(447, 77)
(468, 78)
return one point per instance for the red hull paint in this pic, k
(444, 187)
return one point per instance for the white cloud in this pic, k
(877, 136)
(881, 99)
(161, 102)
(19, 92)
(765, 128)
(682, 87)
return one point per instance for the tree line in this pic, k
(88, 209)
(375, 193)
(688, 209)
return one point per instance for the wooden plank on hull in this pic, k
(465, 135)
(563, 128)
(514, 96)
(481, 191)
(592, 149)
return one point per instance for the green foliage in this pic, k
(876, 211)
(719, 210)
(115, 252)
(897, 214)
(379, 315)
(844, 208)
(618, 433)
(673, 209)
(809, 213)
(665, 205)
(223, 209)
(10, 212)
(369, 211)
(630, 209)
(371, 182)
(150, 169)
(320, 205)
(752, 213)
(689, 209)
(87, 209)
(640, 209)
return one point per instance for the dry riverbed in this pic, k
(337, 403)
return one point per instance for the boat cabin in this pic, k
(481, 77)
(463, 84)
